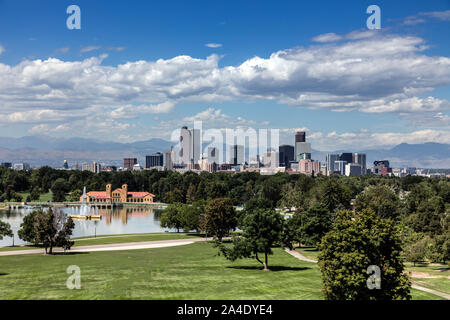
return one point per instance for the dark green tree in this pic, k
(59, 189)
(262, 230)
(172, 216)
(315, 222)
(357, 241)
(5, 230)
(381, 199)
(47, 229)
(220, 217)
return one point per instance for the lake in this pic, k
(114, 221)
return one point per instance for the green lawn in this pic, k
(441, 272)
(43, 197)
(434, 276)
(109, 239)
(192, 271)
(309, 252)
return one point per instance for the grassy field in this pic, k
(433, 276)
(43, 197)
(110, 239)
(185, 272)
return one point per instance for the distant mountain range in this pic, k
(44, 150)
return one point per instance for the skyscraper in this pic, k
(189, 146)
(300, 136)
(360, 158)
(128, 163)
(286, 155)
(154, 160)
(330, 160)
(237, 155)
(302, 148)
(347, 157)
(213, 155)
(169, 163)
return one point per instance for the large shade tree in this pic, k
(48, 229)
(356, 242)
(262, 230)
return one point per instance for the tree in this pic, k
(315, 222)
(5, 230)
(381, 199)
(357, 241)
(171, 216)
(190, 215)
(48, 229)
(220, 217)
(333, 195)
(291, 197)
(35, 194)
(262, 230)
(416, 247)
(174, 196)
(75, 195)
(59, 189)
(191, 193)
(430, 213)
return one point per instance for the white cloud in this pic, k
(213, 45)
(89, 49)
(365, 139)
(441, 15)
(2, 49)
(372, 72)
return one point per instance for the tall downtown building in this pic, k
(336, 163)
(286, 155)
(237, 154)
(190, 146)
(302, 148)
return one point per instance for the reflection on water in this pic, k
(114, 221)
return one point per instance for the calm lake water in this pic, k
(114, 221)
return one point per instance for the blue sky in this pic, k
(140, 69)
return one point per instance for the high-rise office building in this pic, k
(237, 155)
(189, 152)
(300, 136)
(6, 165)
(213, 155)
(286, 155)
(128, 163)
(353, 169)
(302, 148)
(347, 157)
(330, 160)
(271, 159)
(381, 167)
(169, 163)
(339, 167)
(360, 158)
(154, 160)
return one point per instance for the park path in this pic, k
(113, 246)
(300, 256)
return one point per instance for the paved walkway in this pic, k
(300, 256)
(113, 246)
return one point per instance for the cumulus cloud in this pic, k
(213, 45)
(372, 72)
(365, 139)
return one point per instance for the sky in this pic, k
(138, 70)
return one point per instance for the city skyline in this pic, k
(294, 73)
